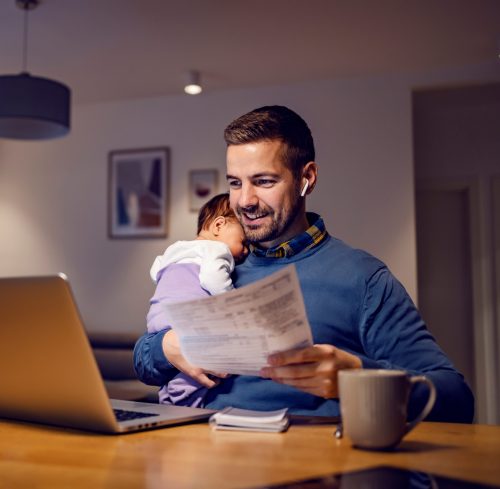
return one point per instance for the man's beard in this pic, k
(280, 222)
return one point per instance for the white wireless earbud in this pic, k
(304, 188)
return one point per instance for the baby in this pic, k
(193, 269)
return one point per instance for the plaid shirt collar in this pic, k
(308, 239)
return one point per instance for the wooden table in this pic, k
(194, 456)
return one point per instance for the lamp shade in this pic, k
(33, 108)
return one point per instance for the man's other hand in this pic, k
(312, 369)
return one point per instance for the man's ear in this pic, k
(217, 225)
(309, 175)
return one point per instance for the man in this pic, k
(360, 315)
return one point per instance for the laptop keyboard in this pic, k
(122, 415)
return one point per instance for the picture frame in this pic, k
(203, 185)
(138, 193)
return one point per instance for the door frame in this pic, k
(483, 295)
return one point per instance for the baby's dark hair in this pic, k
(215, 207)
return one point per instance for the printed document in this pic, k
(236, 331)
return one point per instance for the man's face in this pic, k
(264, 194)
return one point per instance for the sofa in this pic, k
(114, 355)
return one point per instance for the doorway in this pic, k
(445, 286)
(457, 154)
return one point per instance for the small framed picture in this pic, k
(138, 193)
(202, 187)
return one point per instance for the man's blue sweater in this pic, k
(354, 303)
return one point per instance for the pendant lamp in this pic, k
(32, 107)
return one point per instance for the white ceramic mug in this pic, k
(374, 406)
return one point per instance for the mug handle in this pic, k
(430, 402)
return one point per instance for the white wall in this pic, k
(53, 196)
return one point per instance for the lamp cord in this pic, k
(25, 41)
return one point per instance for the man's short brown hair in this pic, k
(215, 207)
(271, 123)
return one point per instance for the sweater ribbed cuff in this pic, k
(159, 359)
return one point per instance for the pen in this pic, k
(339, 432)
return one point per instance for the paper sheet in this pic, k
(235, 332)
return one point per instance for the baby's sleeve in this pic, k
(215, 271)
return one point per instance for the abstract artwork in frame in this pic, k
(202, 187)
(138, 193)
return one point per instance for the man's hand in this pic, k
(312, 369)
(172, 350)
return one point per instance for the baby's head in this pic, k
(218, 222)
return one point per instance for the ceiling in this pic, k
(120, 49)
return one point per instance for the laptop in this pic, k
(48, 373)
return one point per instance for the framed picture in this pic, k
(202, 187)
(138, 193)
